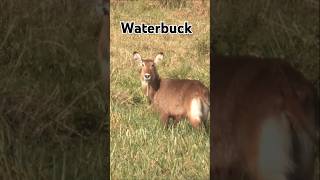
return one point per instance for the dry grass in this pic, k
(140, 147)
(270, 28)
(52, 116)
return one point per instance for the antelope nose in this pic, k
(147, 76)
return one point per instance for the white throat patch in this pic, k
(144, 85)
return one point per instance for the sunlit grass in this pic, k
(140, 146)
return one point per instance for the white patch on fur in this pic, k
(196, 112)
(144, 85)
(274, 149)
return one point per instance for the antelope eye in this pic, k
(152, 65)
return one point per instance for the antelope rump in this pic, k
(264, 120)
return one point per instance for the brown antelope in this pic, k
(173, 98)
(264, 118)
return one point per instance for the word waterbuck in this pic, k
(173, 98)
(264, 120)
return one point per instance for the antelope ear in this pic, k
(158, 58)
(137, 57)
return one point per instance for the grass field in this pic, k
(52, 116)
(140, 147)
(270, 28)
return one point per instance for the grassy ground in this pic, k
(140, 147)
(270, 28)
(51, 97)
(52, 117)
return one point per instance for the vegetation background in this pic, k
(140, 146)
(52, 114)
(52, 117)
(270, 28)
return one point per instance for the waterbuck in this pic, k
(264, 120)
(173, 98)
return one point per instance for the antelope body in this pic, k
(264, 118)
(173, 98)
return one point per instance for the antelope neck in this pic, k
(152, 88)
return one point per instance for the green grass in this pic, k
(140, 147)
(268, 28)
(52, 116)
